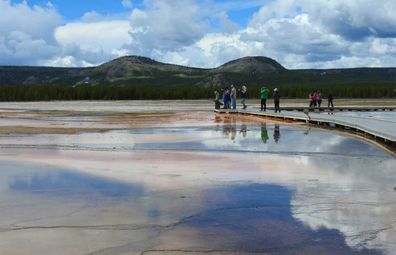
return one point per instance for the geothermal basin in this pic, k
(119, 178)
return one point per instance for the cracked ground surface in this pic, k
(189, 183)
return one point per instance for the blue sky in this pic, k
(201, 33)
(75, 9)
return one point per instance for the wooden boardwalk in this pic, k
(338, 109)
(383, 130)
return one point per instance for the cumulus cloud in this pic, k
(305, 34)
(127, 3)
(26, 33)
(165, 26)
(105, 36)
(274, 9)
(297, 33)
(92, 42)
(354, 19)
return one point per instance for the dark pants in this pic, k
(243, 102)
(277, 108)
(319, 103)
(227, 104)
(330, 103)
(263, 104)
(217, 104)
(312, 104)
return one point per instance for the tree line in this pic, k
(108, 92)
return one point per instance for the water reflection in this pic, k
(276, 133)
(67, 183)
(229, 127)
(264, 132)
(239, 218)
(227, 134)
(232, 186)
(258, 218)
(244, 130)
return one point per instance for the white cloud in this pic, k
(38, 22)
(165, 26)
(103, 36)
(354, 19)
(274, 9)
(91, 16)
(26, 34)
(225, 23)
(127, 3)
(297, 33)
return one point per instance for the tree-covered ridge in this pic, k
(135, 77)
(105, 92)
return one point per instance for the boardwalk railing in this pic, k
(336, 109)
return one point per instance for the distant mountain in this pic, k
(251, 66)
(136, 70)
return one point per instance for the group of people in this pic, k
(228, 98)
(316, 100)
(264, 94)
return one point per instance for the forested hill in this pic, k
(135, 70)
(130, 73)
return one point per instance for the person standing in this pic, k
(233, 95)
(276, 100)
(319, 99)
(226, 98)
(223, 98)
(264, 96)
(311, 97)
(217, 100)
(315, 99)
(244, 96)
(330, 101)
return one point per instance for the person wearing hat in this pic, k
(276, 100)
(264, 96)
(244, 96)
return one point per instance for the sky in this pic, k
(199, 33)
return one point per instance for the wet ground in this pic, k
(190, 183)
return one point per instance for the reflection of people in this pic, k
(233, 129)
(264, 132)
(217, 119)
(264, 96)
(276, 133)
(226, 125)
(276, 100)
(244, 130)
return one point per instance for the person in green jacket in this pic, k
(264, 96)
